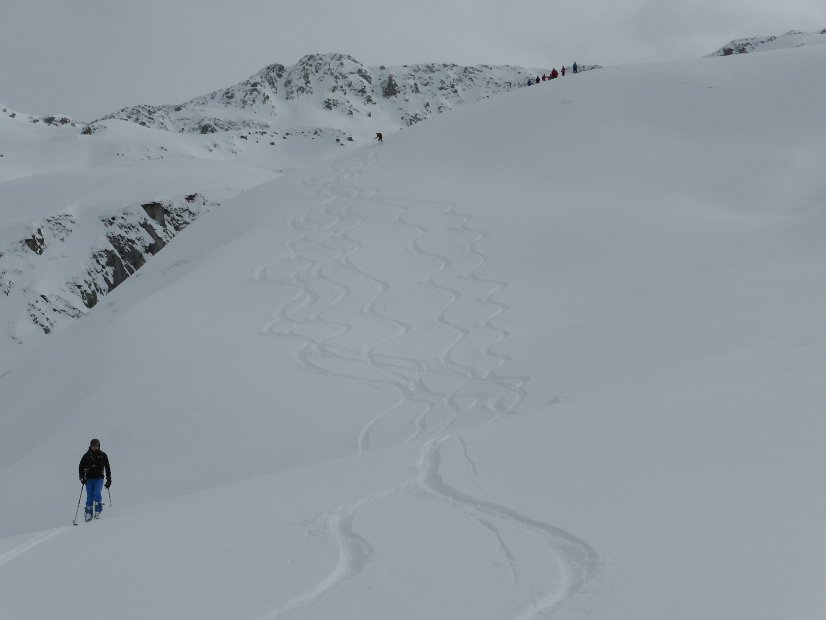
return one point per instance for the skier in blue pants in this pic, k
(93, 465)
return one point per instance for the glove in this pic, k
(83, 480)
(108, 484)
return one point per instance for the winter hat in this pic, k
(94, 442)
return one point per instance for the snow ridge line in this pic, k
(30, 544)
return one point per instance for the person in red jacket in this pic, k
(554, 74)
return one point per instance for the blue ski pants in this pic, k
(94, 494)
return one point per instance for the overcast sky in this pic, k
(85, 58)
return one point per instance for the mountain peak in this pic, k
(331, 57)
(792, 38)
(330, 90)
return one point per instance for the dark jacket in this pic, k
(93, 465)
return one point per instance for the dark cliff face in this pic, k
(132, 235)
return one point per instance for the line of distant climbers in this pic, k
(553, 74)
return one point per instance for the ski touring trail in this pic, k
(31, 543)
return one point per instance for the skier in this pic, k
(575, 68)
(92, 466)
(563, 70)
(379, 137)
(554, 74)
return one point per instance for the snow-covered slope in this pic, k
(556, 355)
(793, 38)
(78, 213)
(72, 226)
(330, 90)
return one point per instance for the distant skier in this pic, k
(575, 68)
(92, 467)
(379, 137)
(563, 70)
(554, 74)
(537, 79)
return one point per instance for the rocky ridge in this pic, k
(793, 38)
(125, 240)
(55, 120)
(339, 87)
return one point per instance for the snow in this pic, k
(793, 38)
(558, 354)
(82, 209)
(324, 88)
(60, 186)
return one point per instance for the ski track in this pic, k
(30, 544)
(433, 394)
(578, 562)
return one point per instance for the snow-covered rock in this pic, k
(793, 38)
(110, 249)
(69, 237)
(54, 120)
(330, 90)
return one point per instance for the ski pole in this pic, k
(109, 491)
(78, 504)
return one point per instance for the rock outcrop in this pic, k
(335, 83)
(793, 38)
(129, 237)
